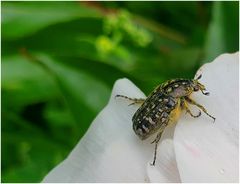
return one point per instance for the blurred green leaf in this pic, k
(73, 38)
(84, 99)
(58, 116)
(24, 18)
(33, 160)
(223, 30)
(97, 68)
(179, 63)
(25, 83)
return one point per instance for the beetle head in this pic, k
(198, 86)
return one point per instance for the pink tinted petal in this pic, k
(207, 151)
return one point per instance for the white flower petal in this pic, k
(207, 151)
(109, 151)
(165, 170)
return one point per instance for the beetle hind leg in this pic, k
(156, 140)
(134, 101)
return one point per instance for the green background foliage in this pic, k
(60, 61)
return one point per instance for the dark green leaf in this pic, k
(24, 18)
(223, 34)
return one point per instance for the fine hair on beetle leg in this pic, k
(134, 100)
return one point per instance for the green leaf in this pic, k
(84, 94)
(24, 83)
(223, 34)
(97, 68)
(20, 19)
(61, 39)
(29, 161)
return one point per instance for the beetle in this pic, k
(163, 106)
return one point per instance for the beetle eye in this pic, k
(196, 88)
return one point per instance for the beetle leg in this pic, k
(185, 106)
(156, 140)
(134, 100)
(200, 107)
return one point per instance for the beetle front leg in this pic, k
(139, 101)
(184, 105)
(200, 107)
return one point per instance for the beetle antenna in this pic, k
(199, 77)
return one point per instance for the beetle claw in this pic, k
(206, 93)
(199, 114)
(213, 119)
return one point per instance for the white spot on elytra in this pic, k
(169, 89)
(140, 131)
(165, 100)
(145, 128)
(151, 121)
(163, 119)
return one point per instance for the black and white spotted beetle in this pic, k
(163, 106)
